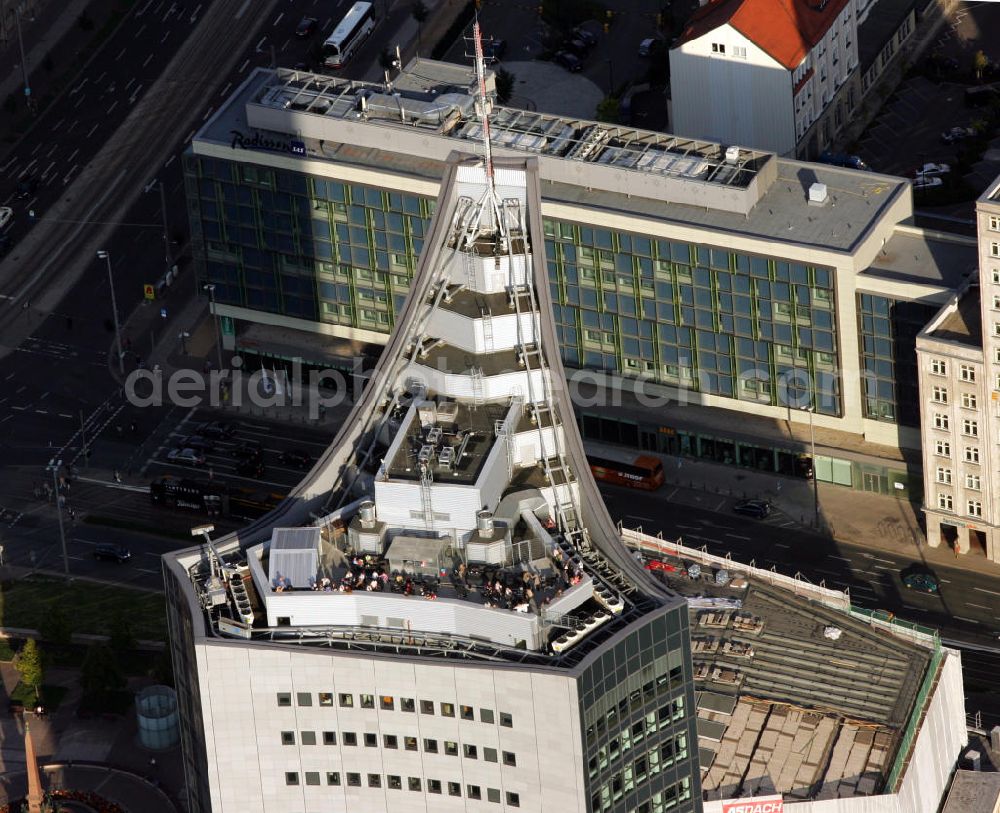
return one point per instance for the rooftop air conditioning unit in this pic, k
(817, 194)
(732, 154)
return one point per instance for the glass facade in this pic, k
(636, 707)
(887, 333)
(716, 321)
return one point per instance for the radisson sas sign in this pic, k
(758, 804)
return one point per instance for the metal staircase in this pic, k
(486, 315)
(426, 495)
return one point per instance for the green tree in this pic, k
(55, 627)
(608, 109)
(419, 11)
(100, 673)
(121, 633)
(505, 85)
(979, 63)
(29, 665)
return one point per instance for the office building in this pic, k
(728, 280)
(441, 616)
(959, 366)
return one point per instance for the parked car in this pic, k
(569, 61)
(248, 450)
(186, 457)
(954, 134)
(295, 457)
(220, 430)
(493, 51)
(109, 552)
(306, 27)
(581, 33)
(198, 443)
(923, 581)
(932, 169)
(927, 182)
(577, 47)
(650, 46)
(250, 467)
(840, 159)
(758, 509)
(6, 215)
(27, 186)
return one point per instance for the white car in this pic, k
(932, 169)
(927, 182)
(6, 215)
(186, 457)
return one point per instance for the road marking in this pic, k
(27, 169)
(963, 618)
(190, 135)
(918, 609)
(144, 570)
(977, 606)
(207, 113)
(113, 106)
(225, 90)
(93, 129)
(246, 62)
(121, 53)
(135, 95)
(278, 19)
(641, 519)
(841, 558)
(65, 415)
(984, 590)
(48, 169)
(130, 83)
(70, 173)
(690, 527)
(883, 567)
(243, 9)
(165, 35)
(73, 155)
(170, 160)
(44, 395)
(147, 60)
(194, 14)
(19, 408)
(737, 536)
(260, 44)
(285, 44)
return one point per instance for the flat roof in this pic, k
(857, 199)
(973, 792)
(809, 716)
(964, 322)
(910, 255)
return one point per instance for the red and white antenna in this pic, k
(484, 119)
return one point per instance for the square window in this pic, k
(386, 703)
(969, 400)
(447, 709)
(326, 698)
(371, 740)
(467, 712)
(354, 780)
(430, 745)
(291, 778)
(333, 777)
(451, 748)
(414, 783)
(509, 758)
(389, 741)
(486, 716)
(967, 372)
(288, 738)
(473, 791)
(284, 699)
(329, 738)
(426, 706)
(490, 754)
(304, 699)
(308, 737)
(513, 799)
(506, 720)
(470, 751)
(407, 704)
(312, 777)
(347, 701)
(454, 789)
(493, 795)
(350, 738)
(394, 782)
(374, 780)
(433, 785)
(367, 701)
(410, 743)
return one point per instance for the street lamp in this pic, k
(812, 452)
(611, 78)
(24, 61)
(105, 255)
(54, 466)
(218, 335)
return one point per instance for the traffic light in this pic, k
(607, 27)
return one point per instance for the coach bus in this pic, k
(213, 499)
(642, 471)
(350, 32)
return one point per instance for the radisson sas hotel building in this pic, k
(735, 279)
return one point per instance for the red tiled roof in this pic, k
(785, 29)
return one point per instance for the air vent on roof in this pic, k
(732, 154)
(817, 194)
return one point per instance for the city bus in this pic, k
(213, 499)
(350, 32)
(643, 471)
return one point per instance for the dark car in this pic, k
(248, 450)
(27, 187)
(250, 467)
(219, 430)
(923, 581)
(198, 443)
(185, 457)
(580, 33)
(295, 457)
(109, 552)
(306, 27)
(953, 134)
(493, 51)
(758, 509)
(569, 61)
(577, 47)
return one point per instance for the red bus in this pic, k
(644, 471)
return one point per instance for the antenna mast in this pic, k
(484, 119)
